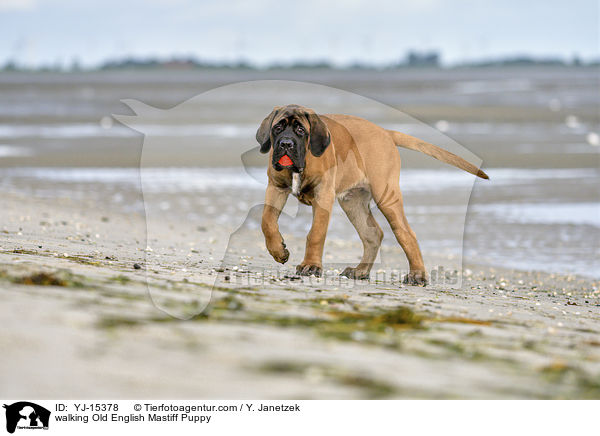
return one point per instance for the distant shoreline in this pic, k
(189, 64)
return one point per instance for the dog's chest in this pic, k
(302, 189)
(296, 181)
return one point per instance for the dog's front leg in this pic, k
(275, 199)
(322, 205)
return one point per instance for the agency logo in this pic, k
(220, 125)
(26, 415)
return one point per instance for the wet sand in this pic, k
(92, 322)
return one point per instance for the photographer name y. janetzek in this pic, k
(279, 408)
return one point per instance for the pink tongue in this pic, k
(285, 161)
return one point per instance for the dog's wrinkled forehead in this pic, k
(292, 111)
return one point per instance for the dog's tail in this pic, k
(412, 143)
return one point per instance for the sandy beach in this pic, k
(74, 301)
(123, 282)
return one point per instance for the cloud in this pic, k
(17, 5)
(265, 31)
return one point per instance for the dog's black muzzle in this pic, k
(286, 155)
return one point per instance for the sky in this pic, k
(378, 32)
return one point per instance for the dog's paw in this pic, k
(284, 256)
(354, 273)
(415, 278)
(309, 270)
(280, 254)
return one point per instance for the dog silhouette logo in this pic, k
(26, 415)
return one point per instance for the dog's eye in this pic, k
(300, 130)
(278, 128)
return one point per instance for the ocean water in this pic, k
(528, 232)
(535, 130)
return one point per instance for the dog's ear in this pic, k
(319, 134)
(263, 134)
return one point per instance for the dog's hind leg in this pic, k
(389, 201)
(356, 205)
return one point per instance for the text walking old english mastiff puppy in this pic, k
(320, 157)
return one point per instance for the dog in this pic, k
(319, 158)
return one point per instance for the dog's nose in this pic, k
(286, 143)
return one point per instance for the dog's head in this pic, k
(292, 130)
